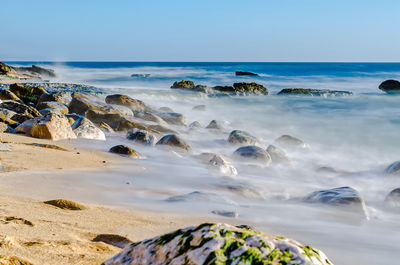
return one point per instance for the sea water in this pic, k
(356, 135)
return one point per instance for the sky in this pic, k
(203, 30)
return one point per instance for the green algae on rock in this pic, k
(219, 244)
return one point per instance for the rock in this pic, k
(60, 107)
(123, 100)
(125, 150)
(230, 214)
(140, 75)
(291, 142)
(84, 128)
(393, 198)
(184, 84)
(174, 141)
(27, 93)
(253, 153)
(343, 196)
(65, 204)
(105, 127)
(20, 108)
(5, 128)
(142, 137)
(147, 116)
(63, 97)
(214, 125)
(166, 109)
(6, 69)
(277, 154)
(242, 137)
(173, 118)
(114, 240)
(161, 129)
(313, 92)
(197, 196)
(222, 166)
(195, 124)
(126, 125)
(199, 107)
(34, 69)
(245, 73)
(244, 190)
(244, 89)
(6, 94)
(27, 126)
(393, 169)
(7, 115)
(390, 86)
(52, 127)
(50, 111)
(218, 244)
(206, 157)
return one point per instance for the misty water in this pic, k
(356, 135)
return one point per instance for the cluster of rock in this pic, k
(236, 89)
(218, 243)
(32, 72)
(314, 92)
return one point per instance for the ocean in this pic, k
(356, 135)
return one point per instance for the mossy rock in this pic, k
(65, 204)
(184, 84)
(219, 244)
(27, 93)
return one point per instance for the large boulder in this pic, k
(123, 100)
(54, 127)
(393, 198)
(346, 197)
(174, 141)
(219, 244)
(253, 153)
(390, 86)
(242, 138)
(142, 137)
(215, 125)
(27, 93)
(58, 106)
(147, 116)
(126, 125)
(173, 118)
(84, 128)
(184, 84)
(244, 89)
(313, 92)
(20, 108)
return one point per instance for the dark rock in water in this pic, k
(34, 69)
(214, 125)
(393, 169)
(6, 69)
(125, 150)
(313, 92)
(245, 73)
(277, 155)
(125, 125)
(390, 86)
(27, 93)
(199, 107)
(141, 136)
(290, 141)
(114, 240)
(166, 109)
(343, 196)
(243, 88)
(211, 243)
(161, 129)
(242, 137)
(123, 100)
(184, 84)
(140, 75)
(174, 141)
(197, 196)
(195, 124)
(173, 118)
(230, 214)
(393, 198)
(252, 152)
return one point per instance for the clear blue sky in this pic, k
(203, 30)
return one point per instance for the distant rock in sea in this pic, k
(242, 88)
(313, 92)
(390, 86)
(140, 75)
(245, 73)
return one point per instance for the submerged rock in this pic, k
(222, 166)
(140, 75)
(184, 84)
(343, 196)
(214, 125)
(393, 169)
(313, 92)
(147, 116)
(291, 142)
(84, 128)
(142, 137)
(123, 100)
(173, 118)
(165, 109)
(243, 89)
(390, 86)
(393, 198)
(125, 150)
(242, 137)
(197, 196)
(277, 154)
(174, 141)
(230, 214)
(218, 244)
(199, 107)
(254, 153)
(245, 73)
(195, 124)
